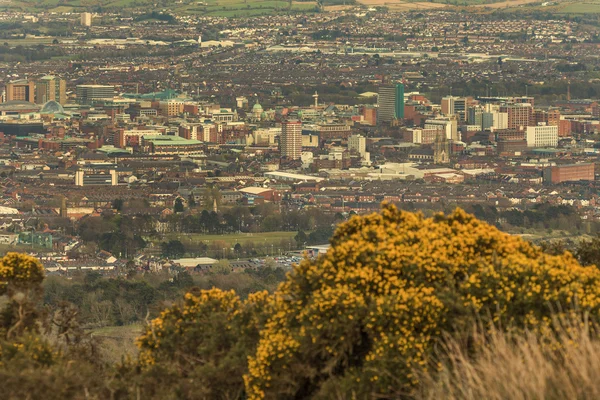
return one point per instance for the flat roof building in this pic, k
(21, 90)
(88, 94)
(569, 173)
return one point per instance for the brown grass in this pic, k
(518, 367)
(338, 8)
(506, 4)
(403, 5)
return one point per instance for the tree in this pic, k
(301, 239)
(117, 204)
(237, 249)
(222, 267)
(178, 206)
(172, 249)
(588, 251)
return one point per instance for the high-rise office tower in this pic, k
(452, 105)
(21, 90)
(357, 143)
(390, 102)
(519, 115)
(290, 143)
(50, 88)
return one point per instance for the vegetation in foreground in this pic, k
(520, 366)
(366, 320)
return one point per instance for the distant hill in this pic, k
(241, 8)
(227, 8)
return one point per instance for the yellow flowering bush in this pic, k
(21, 277)
(357, 321)
(18, 271)
(28, 349)
(203, 344)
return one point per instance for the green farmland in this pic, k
(224, 8)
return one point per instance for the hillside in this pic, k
(246, 8)
(226, 8)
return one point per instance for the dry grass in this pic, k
(506, 4)
(520, 367)
(339, 8)
(397, 5)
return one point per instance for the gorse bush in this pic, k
(203, 345)
(363, 320)
(21, 277)
(357, 321)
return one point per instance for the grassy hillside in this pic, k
(240, 8)
(227, 8)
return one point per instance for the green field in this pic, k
(580, 8)
(242, 8)
(27, 41)
(267, 238)
(118, 332)
(224, 8)
(267, 243)
(117, 341)
(21, 248)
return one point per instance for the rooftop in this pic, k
(167, 140)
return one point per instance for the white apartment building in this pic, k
(542, 136)
(358, 143)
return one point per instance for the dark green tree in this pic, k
(178, 206)
(172, 249)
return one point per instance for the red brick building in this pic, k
(569, 173)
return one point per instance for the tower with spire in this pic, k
(441, 149)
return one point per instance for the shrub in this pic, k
(357, 321)
(21, 277)
(200, 348)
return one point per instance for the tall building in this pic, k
(290, 143)
(21, 90)
(390, 102)
(369, 114)
(519, 115)
(542, 136)
(171, 108)
(449, 125)
(452, 105)
(87, 94)
(86, 19)
(475, 116)
(358, 143)
(524, 100)
(50, 88)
